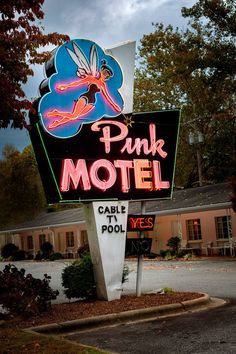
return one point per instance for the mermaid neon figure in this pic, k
(89, 75)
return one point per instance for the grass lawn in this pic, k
(16, 341)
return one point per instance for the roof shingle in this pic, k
(199, 197)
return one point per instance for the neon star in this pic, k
(128, 121)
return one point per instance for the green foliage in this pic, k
(19, 255)
(46, 249)
(233, 195)
(167, 254)
(195, 70)
(188, 256)
(163, 253)
(174, 244)
(22, 294)
(220, 15)
(55, 256)
(183, 253)
(78, 279)
(21, 193)
(83, 250)
(152, 255)
(167, 290)
(8, 250)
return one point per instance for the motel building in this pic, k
(202, 217)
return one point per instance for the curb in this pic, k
(122, 317)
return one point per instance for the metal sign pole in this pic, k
(140, 258)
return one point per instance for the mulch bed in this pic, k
(82, 309)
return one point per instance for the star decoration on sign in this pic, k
(128, 121)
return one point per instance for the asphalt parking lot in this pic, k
(215, 277)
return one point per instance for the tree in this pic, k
(220, 14)
(21, 193)
(20, 39)
(194, 70)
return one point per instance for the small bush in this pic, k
(83, 250)
(22, 294)
(167, 254)
(19, 255)
(78, 279)
(182, 253)
(8, 250)
(55, 256)
(167, 290)
(170, 255)
(152, 255)
(46, 250)
(30, 256)
(174, 244)
(188, 256)
(38, 256)
(163, 253)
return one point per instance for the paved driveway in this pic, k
(205, 332)
(217, 278)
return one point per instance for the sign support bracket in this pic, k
(140, 258)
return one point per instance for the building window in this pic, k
(194, 229)
(30, 243)
(223, 227)
(84, 237)
(70, 240)
(42, 239)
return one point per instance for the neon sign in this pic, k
(88, 147)
(147, 174)
(110, 159)
(82, 87)
(140, 222)
(138, 246)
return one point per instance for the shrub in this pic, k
(19, 255)
(170, 255)
(22, 294)
(8, 250)
(167, 290)
(152, 255)
(163, 253)
(78, 279)
(38, 256)
(174, 244)
(188, 256)
(30, 256)
(183, 253)
(83, 250)
(46, 249)
(55, 256)
(167, 254)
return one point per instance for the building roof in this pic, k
(203, 198)
(184, 201)
(49, 219)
